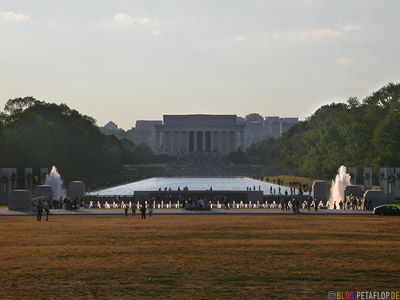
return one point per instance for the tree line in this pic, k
(37, 134)
(360, 134)
(355, 134)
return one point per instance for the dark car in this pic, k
(387, 210)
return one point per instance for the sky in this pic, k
(127, 60)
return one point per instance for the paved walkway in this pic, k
(4, 212)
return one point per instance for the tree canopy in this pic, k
(37, 134)
(359, 134)
(364, 133)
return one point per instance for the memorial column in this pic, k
(211, 141)
(227, 141)
(219, 141)
(195, 141)
(187, 139)
(203, 144)
(163, 140)
(171, 142)
(156, 141)
(179, 142)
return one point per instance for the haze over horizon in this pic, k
(124, 61)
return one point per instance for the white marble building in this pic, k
(182, 134)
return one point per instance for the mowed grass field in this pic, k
(197, 257)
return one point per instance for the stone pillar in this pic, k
(232, 141)
(391, 181)
(381, 178)
(195, 141)
(188, 141)
(204, 141)
(5, 182)
(157, 141)
(387, 180)
(171, 142)
(212, 141)
(28, 179)
(179, 142)
(367, 179)
(184, 142)
(353, 175)
(43, 173)
(162, 133)
(227, 142)
(13, 179)
(165, 141)
(219, 141)
(160, 145)
(176, 141)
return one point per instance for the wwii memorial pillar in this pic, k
(28, 179)
(367, 179)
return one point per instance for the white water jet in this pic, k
(54, 180)
(338, 186)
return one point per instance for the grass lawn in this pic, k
(197, 257)
(303, 180)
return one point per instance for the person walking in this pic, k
(39, 210)
(143, 211)
(46, 209)
(150, 210)
(133, 209)
(126, 210)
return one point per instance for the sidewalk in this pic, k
(4, 212)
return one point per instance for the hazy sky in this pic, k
(126, 60)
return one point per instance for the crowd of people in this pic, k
(43, 204)
(355, 203)
(67, 203)
(285, 202)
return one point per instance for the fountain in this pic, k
(341, 181)
(55, 182)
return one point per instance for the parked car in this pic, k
(387, 210)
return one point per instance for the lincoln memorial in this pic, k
(182, 134)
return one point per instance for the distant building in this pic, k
(276, 126)
(240, 120)
(272, 127)
(182, 134)
(253, 130)
(144, 132)
(287, 123)
(203, 133)
(112, 128)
